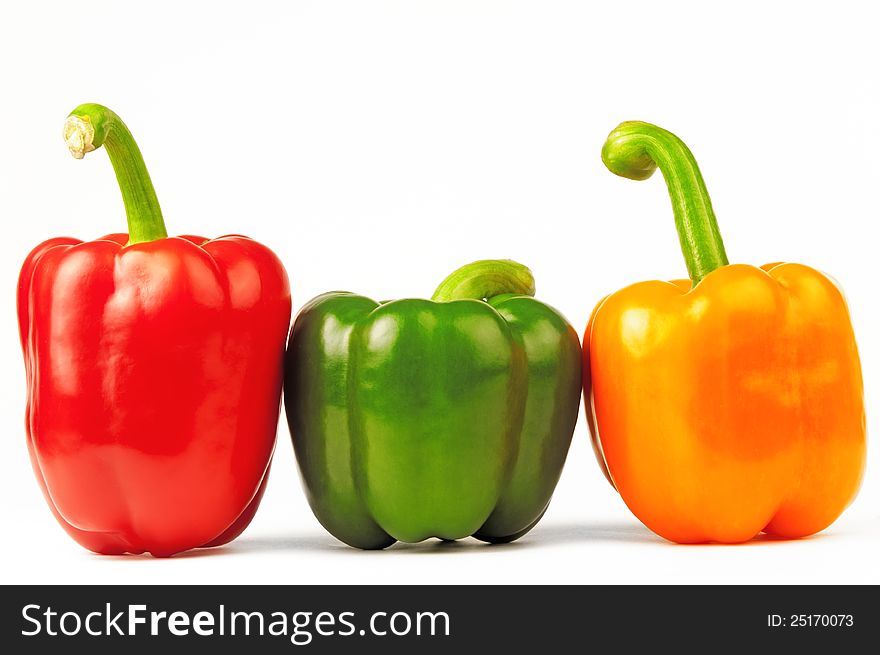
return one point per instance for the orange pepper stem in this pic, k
(635, 150)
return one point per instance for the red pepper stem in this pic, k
(635, 150)
(90, 126)
(484, 279)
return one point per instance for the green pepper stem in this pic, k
(635, 150)
(484, 279)
(90, 126)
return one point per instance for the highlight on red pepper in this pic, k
(441, 418)
(154, 370)
(729, 404)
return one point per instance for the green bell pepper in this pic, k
(441, 418)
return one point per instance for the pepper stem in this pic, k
(484, 279)
(90, 126)
(635, 150)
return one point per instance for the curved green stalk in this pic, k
(484, 279)
(90, 126)
(635, 150)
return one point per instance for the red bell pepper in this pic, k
(154, 370)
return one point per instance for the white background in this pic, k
(378, 145)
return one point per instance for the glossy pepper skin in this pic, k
(154, 371)
(729, 404)
(414, 418)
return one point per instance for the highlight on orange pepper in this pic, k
(729, 404)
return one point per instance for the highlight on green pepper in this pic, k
(444, 418)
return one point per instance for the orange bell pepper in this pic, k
(729, 404)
